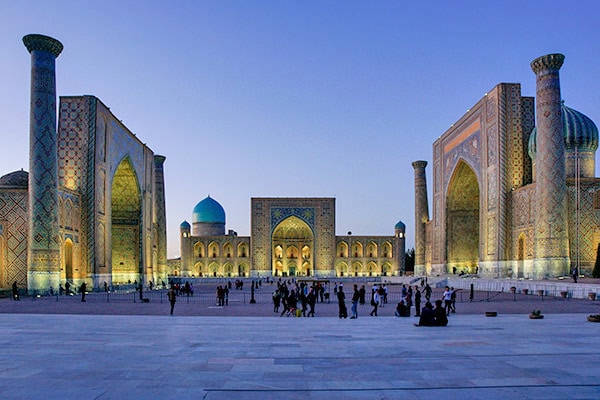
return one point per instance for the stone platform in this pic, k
(193, 357)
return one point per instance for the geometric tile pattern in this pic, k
(14, 223)
(551, 239)
(43, 240)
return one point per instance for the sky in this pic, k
(293, 98)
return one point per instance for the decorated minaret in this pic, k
(160, 218)
(421, 215)
(43, 248)
(551, 244)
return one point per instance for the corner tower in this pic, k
(551, 244)
(43, 243)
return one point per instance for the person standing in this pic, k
(172, 298)
(312, 300)
(82, 290)
(362, 293)
(15, 291)
(417, 302)
(447, 296)
(342, 310)
(355, 299)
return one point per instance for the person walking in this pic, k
(172, 298)
(374, 302)
(355, 299)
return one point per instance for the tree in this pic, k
(409, 260)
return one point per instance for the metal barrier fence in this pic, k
(265, 296)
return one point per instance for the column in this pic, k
(43, 243)
(551, 244)
(421, 215)
(160, 218)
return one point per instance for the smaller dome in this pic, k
(578, 129)
(400, 225)
(19, 179)
(208, 211)
(185, 225)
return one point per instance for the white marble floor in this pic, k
(161, 357)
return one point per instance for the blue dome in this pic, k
(400, 225)
(579, 130)
(185, 225)
(208, 210)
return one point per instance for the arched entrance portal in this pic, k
(126, 221)
(292, 245)
(462, 220)
(69, 260)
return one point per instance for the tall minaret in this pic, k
(43, 249)
(421, 215)
(551, 243)
(160, 218)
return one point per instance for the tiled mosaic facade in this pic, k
(290, 237)
(490, 213)
(92, 209)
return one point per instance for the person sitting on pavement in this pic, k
(427, 317)
(441, 318)
(402, 310)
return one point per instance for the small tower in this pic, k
(185, 245)
(43, 243)
(400, 247)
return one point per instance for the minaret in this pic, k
(421, 215)
(160, 218)
(185, 247)
(400, 248)
(551, 243)
(43, 249)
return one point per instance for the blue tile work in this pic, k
(306, 214)
(43, 242)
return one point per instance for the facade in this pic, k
(289, 237)
(92, 207)
(514, 191)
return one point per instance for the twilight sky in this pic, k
(293, 98)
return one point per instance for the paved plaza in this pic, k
(74, 356)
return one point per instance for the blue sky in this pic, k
(287, 98)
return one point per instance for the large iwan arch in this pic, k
(297, 239)
(462, 220)
(126, 215)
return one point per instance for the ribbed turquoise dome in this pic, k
(185, 225)
(400, 225)
(208, 210)
(579, 130)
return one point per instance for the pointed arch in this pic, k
(126, 215)
(462, 218)
(386, 249)
(357, 249)
(242, 250)
(342, 249)
(199, 249)
(293, 246)
(228, 250)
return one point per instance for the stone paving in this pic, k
(162, 357)
(120, 349)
